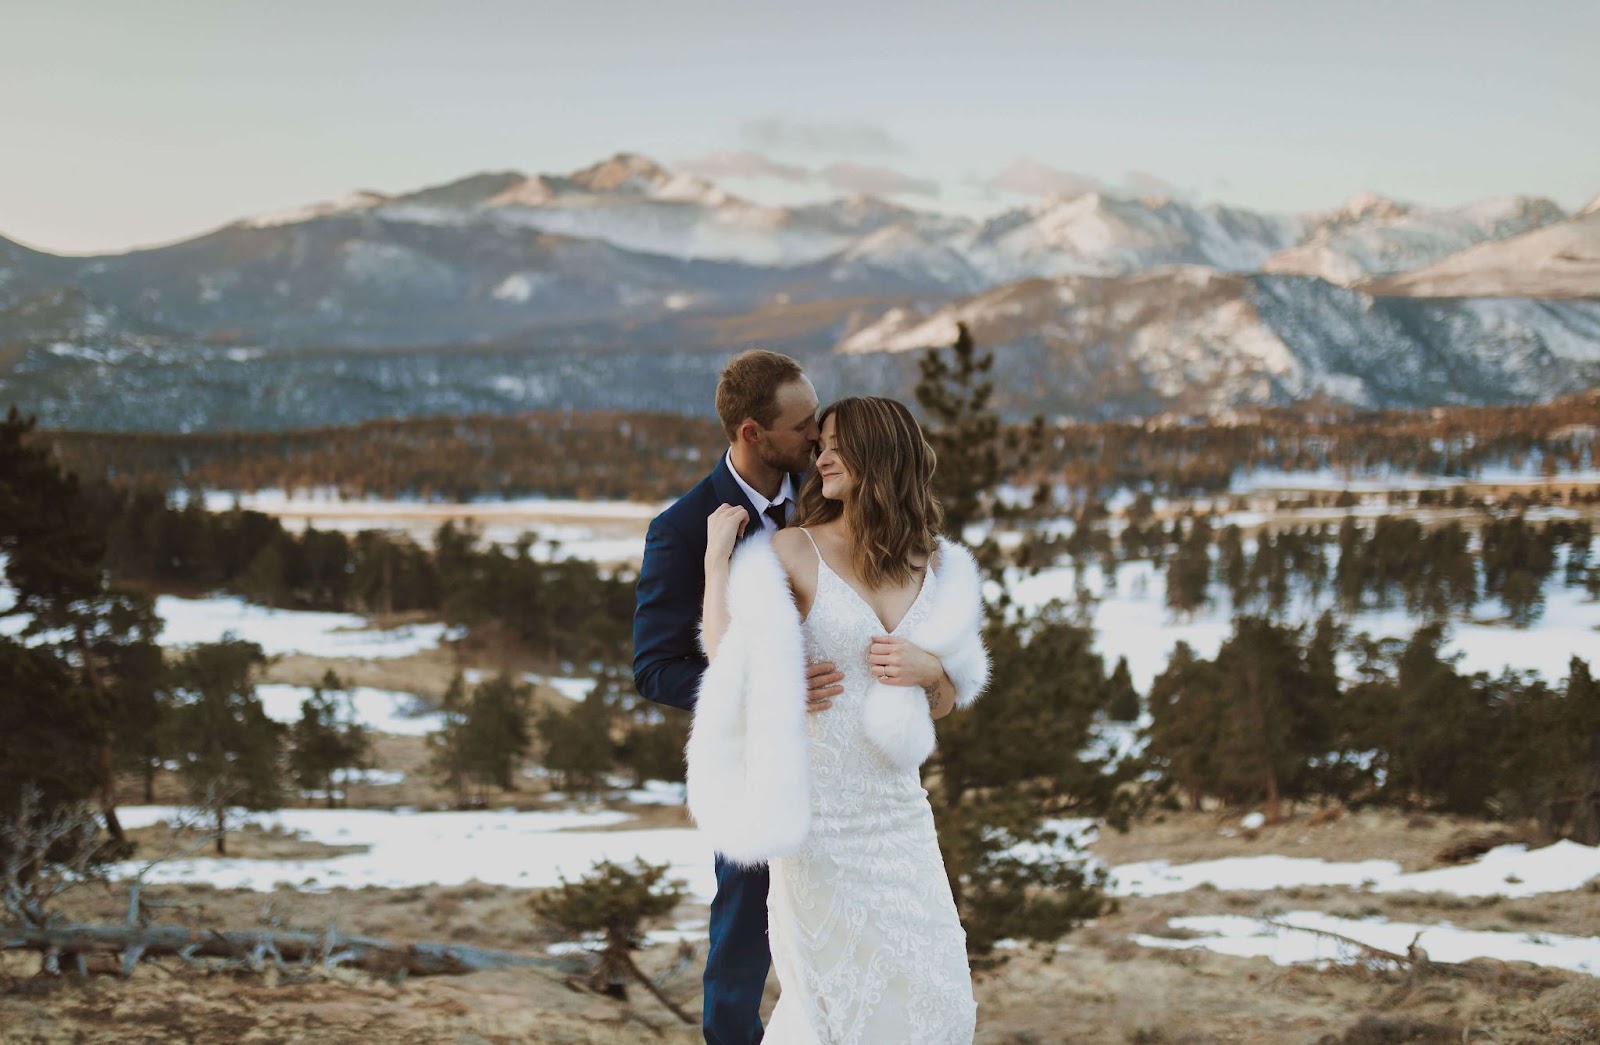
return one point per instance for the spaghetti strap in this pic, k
(813, 541)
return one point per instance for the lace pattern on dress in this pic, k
(865, 937)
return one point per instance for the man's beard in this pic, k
(772, 458)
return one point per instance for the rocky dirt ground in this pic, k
(1098, 986)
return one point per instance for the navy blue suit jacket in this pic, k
(667, 662)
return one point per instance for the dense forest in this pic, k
(654, 456)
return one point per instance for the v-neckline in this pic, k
(927, 573)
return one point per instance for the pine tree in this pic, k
(448, 744)
(1122, 700)
(963, 429)
(54, 546)
(227, 747)
(498, 737)
(1549, 762)
(1186, 720)
(614, 902)
(47, 735)
(577, 742)
(325, 739)
(1189, 571)
(1010, 764)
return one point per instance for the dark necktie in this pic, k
(776, 514)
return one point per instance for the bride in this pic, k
(865, 936)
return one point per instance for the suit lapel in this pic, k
(729, 491)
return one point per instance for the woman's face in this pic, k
(837, 481)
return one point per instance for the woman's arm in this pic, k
(723, 528)
(899, 662)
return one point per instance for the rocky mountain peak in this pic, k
(625, 170)
(1363, 207)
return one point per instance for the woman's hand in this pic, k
(896, 662)
(724, 527)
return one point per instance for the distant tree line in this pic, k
(1202, 456)
(593, 454)
(568, 610)
(655, 456)
(1433, 572)
(1269, 720)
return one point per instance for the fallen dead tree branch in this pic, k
(1417, 961)
(256, 949)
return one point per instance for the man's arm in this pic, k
(667, 662)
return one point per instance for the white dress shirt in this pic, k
(785, 495)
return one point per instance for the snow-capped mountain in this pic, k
(1556, 261)
(357, 278)
(1372, 236)
(1195, 340)
(1098, 303)
(1096, 234)
(634, 203)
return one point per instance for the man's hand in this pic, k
(896, 662)
(823, 683)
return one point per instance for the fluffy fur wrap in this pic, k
(749, 780)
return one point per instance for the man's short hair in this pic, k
(748, 388)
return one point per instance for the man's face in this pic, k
(791, 443)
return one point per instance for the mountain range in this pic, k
(626, 283)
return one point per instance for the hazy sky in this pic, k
(126, 123)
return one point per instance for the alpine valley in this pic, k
(627, 285)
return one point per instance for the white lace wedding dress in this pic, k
(865, 938)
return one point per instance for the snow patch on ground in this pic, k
(193, 621)
(1252, 937)
(379, 710)
(525, 850)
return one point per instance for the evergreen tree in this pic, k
(1233, 566)
(963, 428)
(497, 736)
(448, 744)
(1122, 700)
(614, 902)
(1011, 763)
(47, 735)
(1189, 571)
(326, 739)
(227, 747)
(1186, 720)
(1549, 765)
(53, 544)
(1439, 732)
(577, 743)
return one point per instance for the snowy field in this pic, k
(610, 532)
(1133, 621)
(526, 850)
(1327, 480)
(378, 710)
(193, 621)
(1512, 871)
(536, 849)
(1253, 937)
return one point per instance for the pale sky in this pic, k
(130, 122)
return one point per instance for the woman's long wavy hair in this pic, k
(891, 509)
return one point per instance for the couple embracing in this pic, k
(800, 602)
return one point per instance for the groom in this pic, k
(768, 409)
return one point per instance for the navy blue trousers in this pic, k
(737, 962)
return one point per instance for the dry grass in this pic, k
(1369, 834)
(1100, 987)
